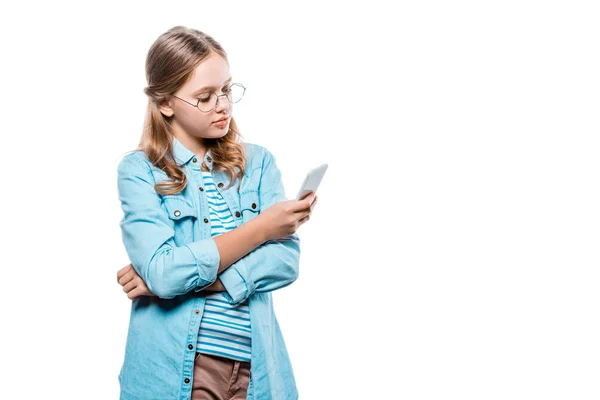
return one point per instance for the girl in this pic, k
(210, 234)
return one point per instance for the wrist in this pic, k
(218, 286)
(260, 230)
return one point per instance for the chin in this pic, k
(221, 133)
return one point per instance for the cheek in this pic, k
(195, 119)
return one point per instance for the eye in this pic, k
(206, 99)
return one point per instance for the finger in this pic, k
(134, 294)
(312, 206)
(303, 220)
(304, 203)
(130, 286)
(306, 195)
(303, 214)
(127, 278)
(124, 270)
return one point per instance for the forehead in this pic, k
(212, 71)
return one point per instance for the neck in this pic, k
(196, 145)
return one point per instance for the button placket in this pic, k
(192, 351)
(202, 230)
(196, 175)
(204, 201)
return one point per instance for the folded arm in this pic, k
(275, 263)
(169, 270)
(148, 234)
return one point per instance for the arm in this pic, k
(148, 235)
(275, 263)
(217, 286)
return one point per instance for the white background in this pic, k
(454, 250)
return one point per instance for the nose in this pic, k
(222, 103)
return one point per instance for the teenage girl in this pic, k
(210, 234)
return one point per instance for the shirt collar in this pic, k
(183, 154)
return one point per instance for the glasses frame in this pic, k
(217, 101)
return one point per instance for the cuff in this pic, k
(207, 258)
(237, 282)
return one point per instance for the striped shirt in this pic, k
(224, 328)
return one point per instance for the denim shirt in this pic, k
(168, 241)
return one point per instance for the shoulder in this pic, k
(257, 156)
(253, 151)
(135, 162)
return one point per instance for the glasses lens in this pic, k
(207, 102)
(236, 93)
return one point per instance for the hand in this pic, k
(132, 283)
(285, 217)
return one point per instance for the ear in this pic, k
(165, 108)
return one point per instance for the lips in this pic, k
(221, 120)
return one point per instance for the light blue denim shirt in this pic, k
(168, 241)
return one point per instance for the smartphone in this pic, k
(312, 181)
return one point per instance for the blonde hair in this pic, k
(170, 62)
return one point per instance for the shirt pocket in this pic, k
(251, 180)
(249, 205)
(184, 215)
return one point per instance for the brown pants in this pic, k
(219, 378)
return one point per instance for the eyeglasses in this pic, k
(234, 93)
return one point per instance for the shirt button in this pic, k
(220, 185)
(177, 213)
(206, 220)
(187, 380)
(190, 347)
(201, 189)
(196, 312)
(237, 214)
(195, 159)
(253, 205)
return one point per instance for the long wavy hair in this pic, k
(170, 62)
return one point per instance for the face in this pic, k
(212, 75)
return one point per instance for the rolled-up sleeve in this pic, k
(275, 263)
(148, 235)
(272, 265)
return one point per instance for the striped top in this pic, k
(224, 328)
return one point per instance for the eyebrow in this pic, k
(209, 87)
